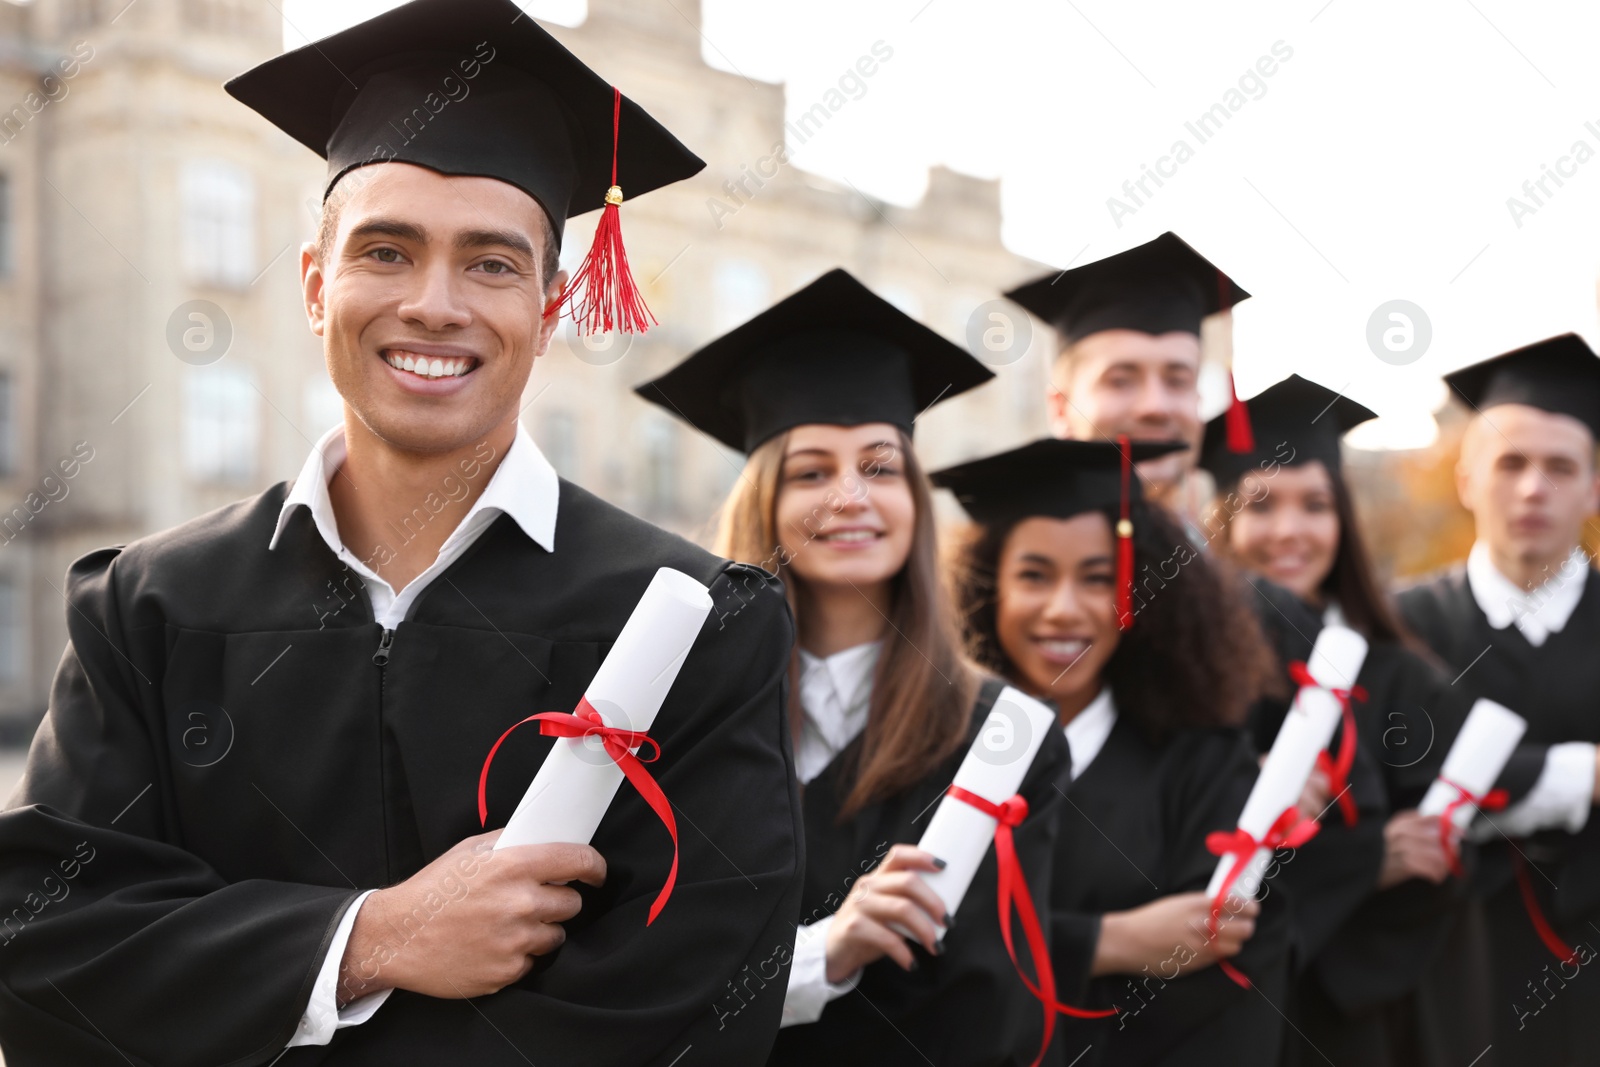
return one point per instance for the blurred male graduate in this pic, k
(249, 830)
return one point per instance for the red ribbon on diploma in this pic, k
(1493, 800)
(619, 743)
(1013, 889)
(1288, 829)
(1338, 771)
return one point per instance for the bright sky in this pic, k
(1373, 163)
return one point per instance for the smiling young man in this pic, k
(1520, 624)
(1129, 361)
(266, 798)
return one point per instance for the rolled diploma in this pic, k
(1335, 662)
(959, 833)
(572, 790)
(1486, 741)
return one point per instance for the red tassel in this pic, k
(1241, 438)
(1125, 542)
(602, 292)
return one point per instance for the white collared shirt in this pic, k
(1539, 612)
(1088, 730)
(1564, 792)
(835, 693)
(524, 486)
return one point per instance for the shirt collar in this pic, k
(1088, 730)
(1537, 612)
(524, 486)
(839, 688)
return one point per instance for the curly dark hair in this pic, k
(1195, 655)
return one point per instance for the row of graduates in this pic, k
(1170, 655)
(210, 901)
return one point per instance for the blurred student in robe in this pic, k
(1152, 693)
(1129, 360)
(1393, 956)
(820, 392)
(1519, 623)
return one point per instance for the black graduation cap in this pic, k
(1157, 287)
(1559, 374)
(1059, 479)
(476, 87)
(834, 352)
(1311, 418)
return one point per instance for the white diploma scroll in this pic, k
(1488, 737)
(574, 787)
(1335, 662)
(994, 767)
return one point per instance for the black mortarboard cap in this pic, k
(1059, 479)
(834, 352)
(1158, 287)
(1559, 374)
(1310, 418)
(471, 87)
(1051, 478)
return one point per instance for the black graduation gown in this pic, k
(206, 889)
(1397, 980)
(966, 1006)
(1327, 878)
(1543, 1013)
(1134, 830)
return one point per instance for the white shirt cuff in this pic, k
(1559, 800)
(809, 989)
(322, 1015)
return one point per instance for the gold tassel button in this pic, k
(1124, 528)
(614, 195)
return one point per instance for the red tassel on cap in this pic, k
(1241, 438)
(602, 291)
(1125, 542)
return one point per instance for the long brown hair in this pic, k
(923, 687)
(1195, 655)
(1352, 580)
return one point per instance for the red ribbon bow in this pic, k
(1338, 771)
(1013, 889)
(1493, 800)
(619, 743)
(1288, 829)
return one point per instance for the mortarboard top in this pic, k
(1051, 478)
(1059, 479)
(1157, 287)
(476, 87)
(1559, 374)
(1312, 419)
(834, 353)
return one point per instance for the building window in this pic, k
(221, 424)
(219, 223)
(8, 425)
(13, 635)
(561, 443)
(660, 467)
(739, 290)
